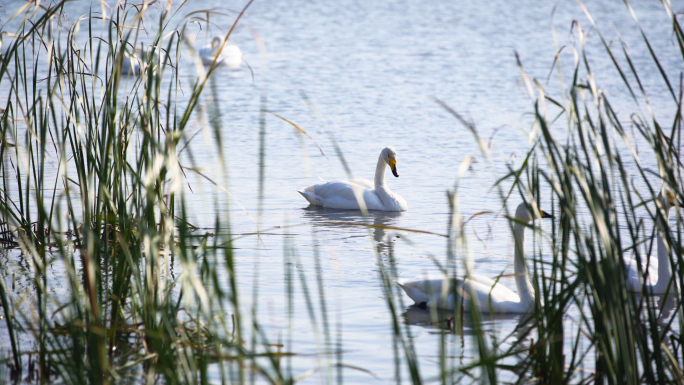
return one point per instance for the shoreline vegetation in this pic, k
(92, 183)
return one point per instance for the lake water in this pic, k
(371, 70)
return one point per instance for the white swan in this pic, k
(339, 194)
(659, 271)
(230, 55)
(489, 295)
(130, 65)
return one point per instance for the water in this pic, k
(371, 70)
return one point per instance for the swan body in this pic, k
(658, 270)
(130, 65)
(439, 291)
(341, 194)
(230, 55)
(486, 294)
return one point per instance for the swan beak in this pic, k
(393, 166)
(673, 199)
(544, 214)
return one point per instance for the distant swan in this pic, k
(339, 194)
(130, 65)
(230, 55)
(659, 272)
(490, 296)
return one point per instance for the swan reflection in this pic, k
(444, 320)
(665, 307)
(353, 220)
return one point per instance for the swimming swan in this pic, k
(130, 65)
(339, 194)
(490, 296)
(230, 55)
(659, 272)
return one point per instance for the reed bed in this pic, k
(584, 163)
(92, 183)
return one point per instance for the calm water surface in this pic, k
(371, 69)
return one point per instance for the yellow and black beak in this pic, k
(674, 199)
(393, 166)
(544, 214)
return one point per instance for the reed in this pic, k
(111, 211)
(583, 162)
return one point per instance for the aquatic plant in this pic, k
(583, 161)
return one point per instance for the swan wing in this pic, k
(635, 279)
(493, 288)
(431, 291)
(482, 279)
(207, 55)
(232, 56)
(340, 195)
(493, 297)
(365, 183)
(210, 52)
(130, 65)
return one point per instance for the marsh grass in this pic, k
(92, 181)
(583, 162)
(585, 170)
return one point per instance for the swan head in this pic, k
(389, 155)
(524, 214)
(666, 199)
(216, 42)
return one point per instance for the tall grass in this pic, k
(92, 182)
(584, 164)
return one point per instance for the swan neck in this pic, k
(522, 280)
(664, 269)
(380, 174)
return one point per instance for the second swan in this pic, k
(489, 296)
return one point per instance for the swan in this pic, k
(230, 55)
(130, 65)
(339, 194)
(489, 295)
(658, 271)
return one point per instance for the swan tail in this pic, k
(413, 290)
(308, 196)
(439, 291)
